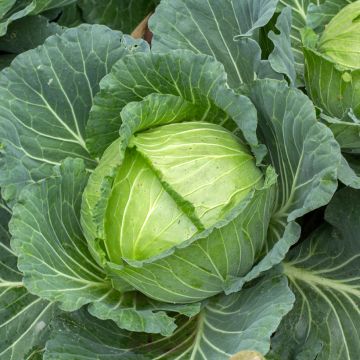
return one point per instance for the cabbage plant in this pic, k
(174, 190)
(144, 193)
(155, 194)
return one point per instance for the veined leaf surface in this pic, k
(45, 99)
(324, 274)
(24, 318)
(227, 325)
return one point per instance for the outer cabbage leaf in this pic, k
(24, 318)
(200, 26)
(198, 79)
(274, 256)
(323, 272)
(28, 33)
(48, 240)
(303, 151)
(349, 173)
(25, 34)
(306, 158)
(346, 132)
(299, 11)
(121, 15)
(282, 57)
(45, 99)
(227, 325)
(14, 10)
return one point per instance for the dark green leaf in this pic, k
(24, 8)
(197, 79)
(324, 273)
(219, 29)
(122, 15)
(282, 57)
(57, 265)
(227, 325)
(45, 99)
(28, 33)
(24, 318)
(302, 150)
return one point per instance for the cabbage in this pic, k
(175, 180)
(171, 191)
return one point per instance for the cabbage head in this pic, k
(174, 192)
(175, 180)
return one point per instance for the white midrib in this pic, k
(295, 5)
(308, 277)
(11, 284)
(317, 282)
(198, 337)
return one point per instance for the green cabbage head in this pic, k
(175, 181)
(175, 211)
(340, 40)
(332, 62)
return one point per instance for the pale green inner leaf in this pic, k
(203, 163)
(142, 218)
(341, 38)
(176, 180)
